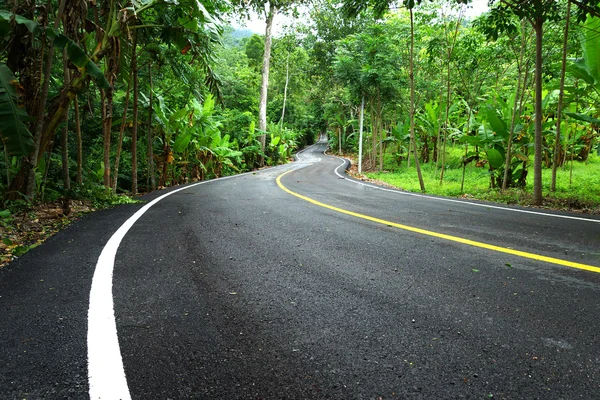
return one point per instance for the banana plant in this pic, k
(402, 135)
(490, 145)
(13, 128)
(17, 139)
(251, 147)
(588, 70)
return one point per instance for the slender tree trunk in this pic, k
(380, 128)
(446, 118)
(134, 128)
(120, 142)
(150, 137)
(448, 92)
(65, 134)
(111, 61)
(561, 95)
(107, 105)
(515, 109)
(262, 109)
(79, 178)
(572, 158)
(373, 158)
(464, 166)
(7, 164)
(39, 121)
(360, 134)
(285, 89)
(438, 137)
(537, 163)
(412, 101)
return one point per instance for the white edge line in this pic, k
(106, 373)
(457, 201)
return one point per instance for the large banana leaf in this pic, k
(74, 52)
(15, 135)
(579, 70)
(584, 117)
(495, 158)
(497, 123)
(590, 44)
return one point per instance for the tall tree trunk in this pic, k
(150, 137)
(380, 128)
(360, 134)
(79, 178)
(464, 166)
(448, 92)
(39, 121)
(262, 109)
(120, 142)
(561, 95)
(412, 100)
(134, 128)
(537, 161)
(285, 89)
(373, 157)
(515, 108)
(112, 68)
(107, 105)
(437, 141)
(65, 134)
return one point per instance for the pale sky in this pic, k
(257, 25)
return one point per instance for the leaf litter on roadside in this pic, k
(27, 229)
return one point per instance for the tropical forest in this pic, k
(103, 101)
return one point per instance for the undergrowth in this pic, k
(577, 186)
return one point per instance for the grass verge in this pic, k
(577, 188)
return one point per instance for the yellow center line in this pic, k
(468, 242)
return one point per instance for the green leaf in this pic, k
(15, 135)
(95, 72)
(77, 55)
(579, 70)
(20, 250)
(498, 124)
(182, 142)
(584, 117)
(590, 44)
(495, 158)
(5, 214)
(81, 60)
(6, 16)
(475, 270)
(7, 241)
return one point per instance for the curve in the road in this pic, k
(106, 374)
(457, 239)
(337, 172)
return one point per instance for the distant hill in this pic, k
(233, 37)
(241, 34)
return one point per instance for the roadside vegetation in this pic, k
(103, 101)
(576, 187)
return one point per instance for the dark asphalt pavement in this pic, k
(235, 289)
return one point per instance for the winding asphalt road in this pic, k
(310, 286)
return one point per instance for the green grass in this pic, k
(583, 193)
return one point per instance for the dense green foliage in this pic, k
(164, 95)
(172, 86)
